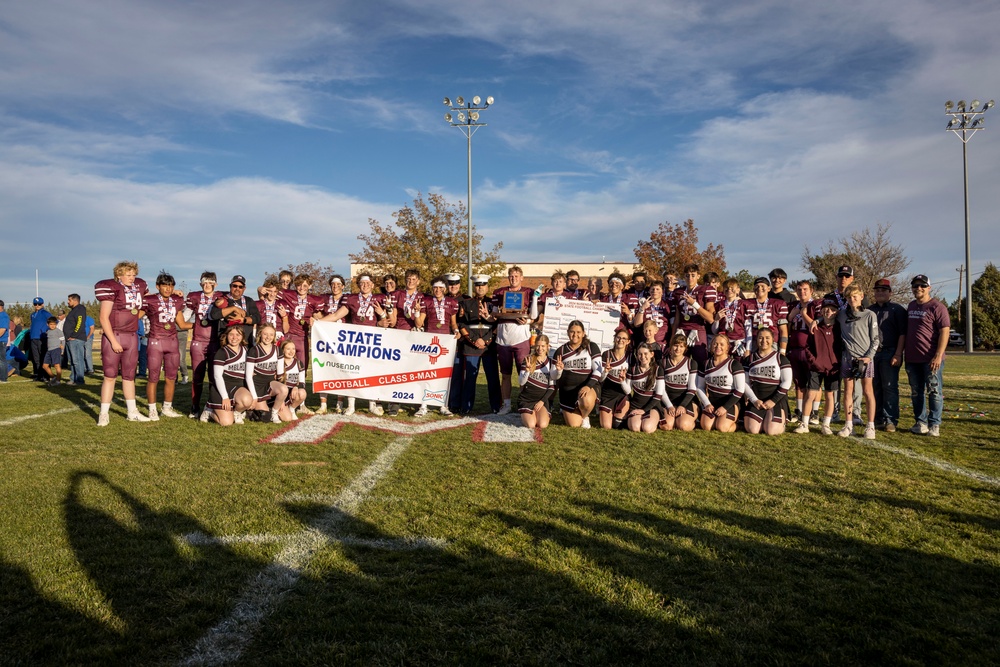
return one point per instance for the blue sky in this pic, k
(241, 136)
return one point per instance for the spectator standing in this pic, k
(892, 322)
(478, 328)
(39, 325)
(859, 335)
(4, 335)
(52, 362)
(75, 331)
(143, 333)
(778, 279)
(928, 326)
(89, 351)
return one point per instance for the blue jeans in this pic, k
(922, 381)
(488, 362)
(77, 351)
(886, 386)
(90, 354)
(455, 388)
(3, 359)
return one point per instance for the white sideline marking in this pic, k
(399, 544)
(325, 499)
(17, 420)
(938, 463)
(226, 641)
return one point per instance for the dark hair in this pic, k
(691, 268)
(208, 275)
(53, 320)
(777, 273)
(585, 343)
(165, 279)
(412, 272)
(709, 277)
(390, 276)
(650, 375)
(74, 295)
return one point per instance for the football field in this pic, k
(384, 541)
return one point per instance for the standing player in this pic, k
(165, 311)
(725, 317)
(438, 316)
(272, 309)
(803, 313)
(695, 311)
(761, 312)
(121, 301)
(654, 308)
(204, 337)
(329, 303)
(299, 306)
(626, 301)
(513, 332)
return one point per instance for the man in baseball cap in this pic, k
(888, 360)
(39, 325)
(928, 326)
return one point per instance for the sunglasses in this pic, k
(237, 285)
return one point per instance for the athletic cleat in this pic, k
(349, 411)
(170, 412)
(304, 409)
(919, 428)
(322, 409)
(869, 433)
(826, 430)
(505, 410)
(392, 411)
(421, 412)
(184, 379)
(934, 431)
(138, 417)
(847, 431)
(375, 409)
(796, 418)
(153, 416)
(103, 419)
(206, 414)
(858, 421)
(445, 411)
(890, 427)
(238, 417)
(194, 414)
(801, 428)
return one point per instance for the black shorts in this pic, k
(823, 381)
(779, 413)
(568, 397)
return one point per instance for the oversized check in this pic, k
(599, 320)
(382, 364)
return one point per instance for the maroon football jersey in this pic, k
(328, 303)
(659, 313)
(798, 331)
(162, 314)
(704, 295)
(361, 308)
(404, 304)
(439, 314)
(755, 315)
(127, 302)
(201, 304)
(300, 310)
(269, 315)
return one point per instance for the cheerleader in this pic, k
(292, 376)
(537, 378)
(579, 364)
(262, 374)
(228, 397)
(680, 381)
(645, 386)
(720, 387)
(769, 378)
(614, 370)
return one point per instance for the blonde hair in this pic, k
(262, 329)
(532, 356)
(127, 265)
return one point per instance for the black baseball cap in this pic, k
(921, 280)
(239, 279)
(845, 270)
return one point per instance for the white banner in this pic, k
(382, 364)
(599, 320)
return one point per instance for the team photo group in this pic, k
(688, 351)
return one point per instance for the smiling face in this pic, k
(733, 292)
(267, 335)
(575, 334)
(656, 293)
(558, 284)
(765, 341)
(515, 278)
(412, 282)
(760, 291)
(366, 286)
(645, 356)
(236, 289)
(543, 348)
(437, 291)
(804, 291)
(678, 347)
(621, 340)
(234, 337)
(720, 347)
(856, 298)
(208, 286)
(288, 351)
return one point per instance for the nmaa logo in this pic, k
(433, 351)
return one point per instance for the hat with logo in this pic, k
(921, 280)
(845, 270)
(37, 301)
(239, 279)
(832, 303)
(883, 283)
(761, 280)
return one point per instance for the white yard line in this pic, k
(226, 642)
(398, 544)
(18, 420)
(937, 463)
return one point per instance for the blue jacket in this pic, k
(39, 323)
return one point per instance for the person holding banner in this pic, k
(515, 308)
(478, 329)
(644, 384)
(438, 316)
(363, 309)
(721, 383)
(329, 303)
(680, 381)
(557, 290)
(537, 378)
(614, 370)
(228, 396)
(580, 368)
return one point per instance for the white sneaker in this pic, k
(275, 419)
(206, 414)
(869, 433)
(919, 428)
(826, 430)
(184, 380)
(339, 409)
(322, 409)
(586, 422)
(103, 419)
(934, 431)
(153, 416)
(847, 431)
(349, 411)
(375, 409)
(238, 417)
(445, 411)
(421, 412)
(170, 412)
(138, 417)
(801, 428)
(505, 410)
(304, 409)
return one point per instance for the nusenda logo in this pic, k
(433, 351)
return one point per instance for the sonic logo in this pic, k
(433, 351)
(435, 396)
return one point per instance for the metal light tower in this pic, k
(466, 117)
(965, 121)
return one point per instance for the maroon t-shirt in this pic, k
(798, 331)
(162, 314)
(125, 300)
(923, 331)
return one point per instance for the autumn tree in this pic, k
(871, 253)
(431, 235)
(671, 247)
(320, 274)
(985, 308)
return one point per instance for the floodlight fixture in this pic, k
(975, 105)
(476, 100)
(474, 116)
(961, 105)
(489, 101)
(989, 105)
(447, 101)
(952, 123)
(460, 101)
(461, 117)
(948, 106)
(447, 117)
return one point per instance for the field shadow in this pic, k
(154, 593)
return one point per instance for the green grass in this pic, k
(587, 548)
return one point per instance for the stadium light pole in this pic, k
(966, 120)
(466, 118)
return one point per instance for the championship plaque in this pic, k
(514, 303)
